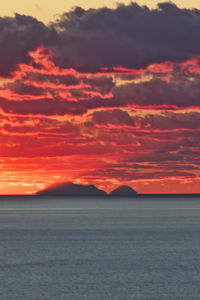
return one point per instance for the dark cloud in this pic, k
(18, 36)
(117, 117)
(20, 88)
(49, 127)
(162, 121)
(129, 35)
(55, 79)
(100, 84)
(170, 121)
(157, 93)
(44, 107)
(154, 94)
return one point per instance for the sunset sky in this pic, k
(103, 96)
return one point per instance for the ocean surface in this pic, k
(97, 249)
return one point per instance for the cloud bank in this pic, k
(131, 36)
(102, 96)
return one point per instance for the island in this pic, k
(79, 190)
(72, 189)
(123, 191)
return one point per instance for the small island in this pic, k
(123, 191)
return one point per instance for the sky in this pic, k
(46, 10)
(105, 96)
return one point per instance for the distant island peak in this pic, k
(122, 191)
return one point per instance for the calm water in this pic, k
(55, 249)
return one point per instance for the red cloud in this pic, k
(79, 126)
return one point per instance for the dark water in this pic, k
(94, 249)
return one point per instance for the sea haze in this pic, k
(98, 249)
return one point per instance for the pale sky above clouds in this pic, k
(46, 10)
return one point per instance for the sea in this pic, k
(99, 249)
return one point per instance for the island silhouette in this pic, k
(123, 191)
(73, 189)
